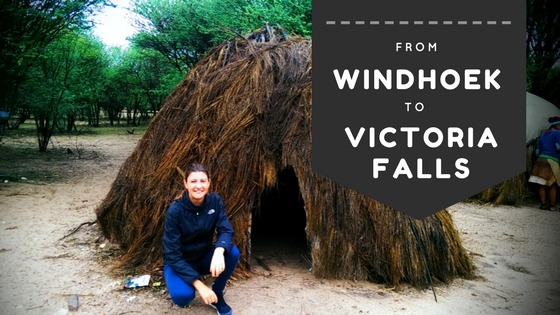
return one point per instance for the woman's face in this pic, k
(197, 184)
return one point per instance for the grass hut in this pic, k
(245, 112)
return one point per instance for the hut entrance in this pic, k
(278, 227)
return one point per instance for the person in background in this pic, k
(189, 252)
(546, 170)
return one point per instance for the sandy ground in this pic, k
(515, 250)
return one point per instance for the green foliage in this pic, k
(136, 81)
(26, 28)
(292, 15)
(543, 49)
(54, 72)
(171, 27)
(58, 88)
(184, 30)
(152, 75)
(51, 69)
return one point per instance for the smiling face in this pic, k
(197, 184)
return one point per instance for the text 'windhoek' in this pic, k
(404, 79)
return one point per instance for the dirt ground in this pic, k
(44, 197)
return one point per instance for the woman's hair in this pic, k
(553, 119)
(196, 167)
(554, 122)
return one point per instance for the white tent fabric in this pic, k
(538, 111)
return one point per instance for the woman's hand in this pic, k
(206, 294)
(217, 265)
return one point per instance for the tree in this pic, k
(85, 80)
(543, 49)
(292, 15)
(26, 28)
(184, 30)
(56, 85)
(172, 27)
(115, 92)
(152, 75)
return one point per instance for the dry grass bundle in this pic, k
(513, 191)
(245, 112)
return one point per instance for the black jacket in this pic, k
(189, 232)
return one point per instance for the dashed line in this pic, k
(445, 22)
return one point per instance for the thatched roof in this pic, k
(245, 112)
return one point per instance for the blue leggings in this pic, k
(183, 293)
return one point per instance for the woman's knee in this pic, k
(234, 254)
(180, 292)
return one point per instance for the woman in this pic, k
(190, 224)
(546, 171)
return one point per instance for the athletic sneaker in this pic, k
(221, 307)
(544, 206)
